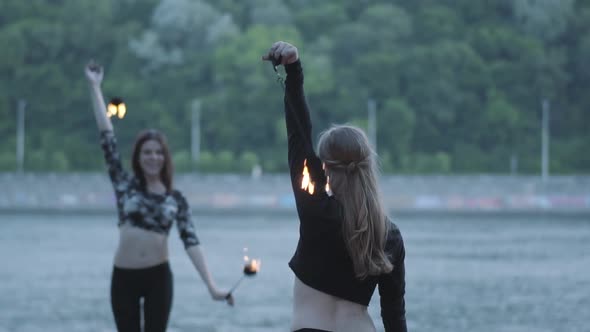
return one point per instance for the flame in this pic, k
(253, 265)
(328, 185)
(306, 183)
(116, 108)
(111, 110)
(122, 109)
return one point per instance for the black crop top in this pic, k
(139, 208)
(321, 259)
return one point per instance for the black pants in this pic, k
(154, 286)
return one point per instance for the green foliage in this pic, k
(438, 163)
(7, 161)
(458, 83)
(182, 161)
(226, 161)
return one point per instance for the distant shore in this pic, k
(453, 196)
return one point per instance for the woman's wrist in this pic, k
(211, 287)
(94, 85)
(293, 66)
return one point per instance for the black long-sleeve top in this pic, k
(321, 259)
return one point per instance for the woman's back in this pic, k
(312, 307)
(346, 245)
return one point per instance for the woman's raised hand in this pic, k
(282, 53)
(94, 72)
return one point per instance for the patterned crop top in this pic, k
(139, 208)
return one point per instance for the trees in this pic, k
(458, 84)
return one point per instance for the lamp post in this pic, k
(372, 122)
(545, 140)
(20, 135)
(195, 129)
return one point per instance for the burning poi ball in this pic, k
(252, 267)
(116, 107)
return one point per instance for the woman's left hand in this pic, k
(219, 295)
(283, 52)
(94, 73)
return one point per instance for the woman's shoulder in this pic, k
(178, 196)
(394, 236)
(392, 227)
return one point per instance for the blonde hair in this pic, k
(351, 167)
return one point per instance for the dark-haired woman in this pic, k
(148, 206)
(347, 245)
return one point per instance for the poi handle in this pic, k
(234, 288)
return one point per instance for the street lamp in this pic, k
(372, 122)
(195, 129)
(545, 140)
(20, 135)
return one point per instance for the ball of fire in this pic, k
(116, 107)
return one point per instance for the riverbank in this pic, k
(271, 194)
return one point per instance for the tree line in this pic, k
(457, 85)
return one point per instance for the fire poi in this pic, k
(251, 268)
(116, 107)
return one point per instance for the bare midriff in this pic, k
(315, 309)
(139, 248)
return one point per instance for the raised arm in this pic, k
(297, 118)
(94, 74)
(119, 177)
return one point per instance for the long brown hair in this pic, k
(167, 171)
(351, 167)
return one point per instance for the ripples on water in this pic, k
(467, 274)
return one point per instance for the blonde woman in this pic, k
(347, 246)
